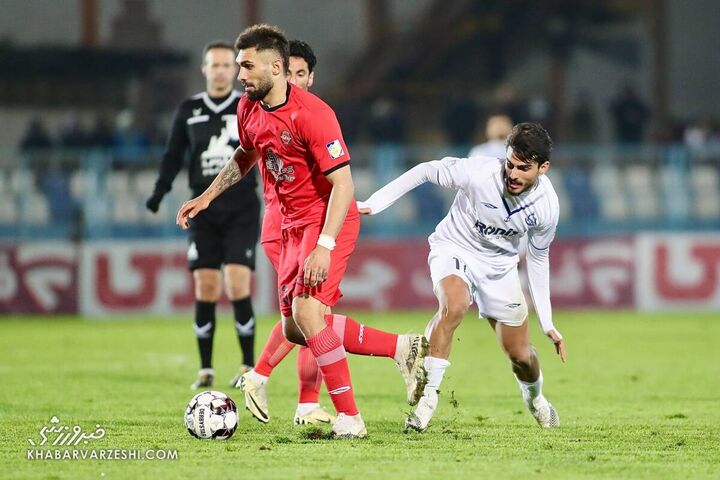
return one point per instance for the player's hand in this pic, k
(190, 209)
(153, 203)
(559, 344)
(363, 209)
(316, 267)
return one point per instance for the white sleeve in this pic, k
(449, 173)
(538, 268)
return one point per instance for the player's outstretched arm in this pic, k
(231, 173)
(448, 172)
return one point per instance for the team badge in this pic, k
(531, 220)
(286, 137)
(335, 149)
(197, 111)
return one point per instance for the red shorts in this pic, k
(272, 251)
(298, 243)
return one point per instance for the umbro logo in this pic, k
(339, 390)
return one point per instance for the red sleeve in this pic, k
(242, 110)
(325, 141)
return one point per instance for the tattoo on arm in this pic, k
(228, 176)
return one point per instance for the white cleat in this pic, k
(255, 397)
(349, 427)
(314, 416)
(545, 413)
(412, 350)
(424, 412)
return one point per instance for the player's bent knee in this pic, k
(291, 332)
(454, 313)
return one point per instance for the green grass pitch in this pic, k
(638, 398)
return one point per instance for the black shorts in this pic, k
(222, 237)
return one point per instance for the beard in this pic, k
(260, 91)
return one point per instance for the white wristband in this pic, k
(326, 241)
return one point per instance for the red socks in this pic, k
(361, 339)
(332, 360)
(276, 348)
(309, 376)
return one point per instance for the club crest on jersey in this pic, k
(197, 111)
(335, 149)
(275, 165)
(286, 137)
(531, 220)
(489, 230)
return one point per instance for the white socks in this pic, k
(530, 391)
(436, 370)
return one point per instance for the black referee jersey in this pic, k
(205, 131)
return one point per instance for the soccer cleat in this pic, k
(235, 382)
(316, 415)
(424, 412)
(544, 413)
(205, 379)
(255, 397)
(412, 350)
(349, 427)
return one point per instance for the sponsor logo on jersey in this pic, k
(489, 230)
(286, 137)
(335, 149)
(275, 165)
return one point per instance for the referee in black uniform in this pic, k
(223, 237)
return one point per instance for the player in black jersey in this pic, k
(224, 236)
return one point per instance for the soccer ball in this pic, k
(211, 414)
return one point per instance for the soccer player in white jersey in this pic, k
(474, 257)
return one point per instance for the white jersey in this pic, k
(485, 221)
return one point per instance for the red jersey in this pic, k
(272, 219)
(299, 142)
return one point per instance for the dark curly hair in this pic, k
(264, 37)
(530, 142)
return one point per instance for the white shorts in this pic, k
(496, 290)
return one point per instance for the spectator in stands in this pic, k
(460, 120)
(36, 137)
(630, 115)
(583, 122)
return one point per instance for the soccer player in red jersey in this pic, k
(295, 139)
(301, 63)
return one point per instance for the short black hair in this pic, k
(262, 36)
(217, 44)
(301, 49)
(530, 142)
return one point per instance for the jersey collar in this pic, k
(280, 105)
(217, 108)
